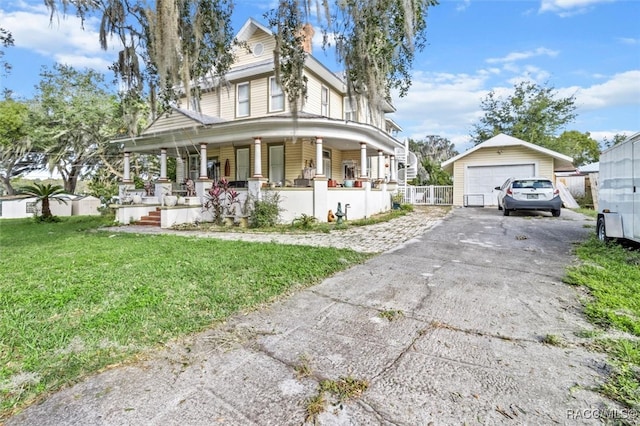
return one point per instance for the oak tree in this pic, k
(177, 43)
(533, 113)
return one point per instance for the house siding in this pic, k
(336, 164)
(314, 88)
(210, 103)
(245, 58)
(544, 165)
(228, 153)
(293, 161)
(260, 97)
(170, 122)
(227, 99)
(336, 105)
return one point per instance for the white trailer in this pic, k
(619, 191)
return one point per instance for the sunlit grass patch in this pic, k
(74, 300)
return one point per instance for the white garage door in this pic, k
(480, 181)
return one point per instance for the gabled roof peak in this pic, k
(501, 140)
(249, 28)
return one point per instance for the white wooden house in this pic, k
(244, 131)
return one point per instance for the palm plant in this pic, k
(43, 192)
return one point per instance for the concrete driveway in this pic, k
(447, 328)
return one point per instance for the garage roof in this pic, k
(502, 140)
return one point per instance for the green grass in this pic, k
(552, 340)
(338, 392)
(390, 314)
(587, 212)
(611, 272)
(74, 300)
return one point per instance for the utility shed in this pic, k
(17, 206)
(477, 171)
(85, 206)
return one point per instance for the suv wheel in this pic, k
(555, 213)
(505, 211)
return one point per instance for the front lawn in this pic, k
(74, 300)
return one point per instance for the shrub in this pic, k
(266, 211)
(305, 221)
(220, 200)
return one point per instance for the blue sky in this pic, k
(586, 48)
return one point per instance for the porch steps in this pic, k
(152, 219)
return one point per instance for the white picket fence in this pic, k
(432, 195)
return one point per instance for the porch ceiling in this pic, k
(337, 134)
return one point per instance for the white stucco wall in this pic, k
(294, 202)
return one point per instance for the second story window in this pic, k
(276, 102)
(242, 109)
(324, 101)
(349, 109)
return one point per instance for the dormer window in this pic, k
(276, 99)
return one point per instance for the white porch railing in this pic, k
(428, 195)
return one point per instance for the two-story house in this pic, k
(330, 151)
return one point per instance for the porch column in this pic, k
(163, 164)
(180, 176)
(257, 158)
(127, 167)
(203, 162)
(363, 160)
(319, 163)
(392, 168)
(380, 164)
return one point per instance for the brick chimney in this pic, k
(307, 32)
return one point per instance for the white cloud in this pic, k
(519, 56)
(529, 73)
(601, 135)
(566, 8)
(448, 104)
(443, 104)
(318, 39)
(620, 90)
(61, 39)
(463, 5)
(80, 62)
(629, 41)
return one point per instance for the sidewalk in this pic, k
(375, 238)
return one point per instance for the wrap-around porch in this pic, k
(351, 164)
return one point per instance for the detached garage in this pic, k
(479, 170)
